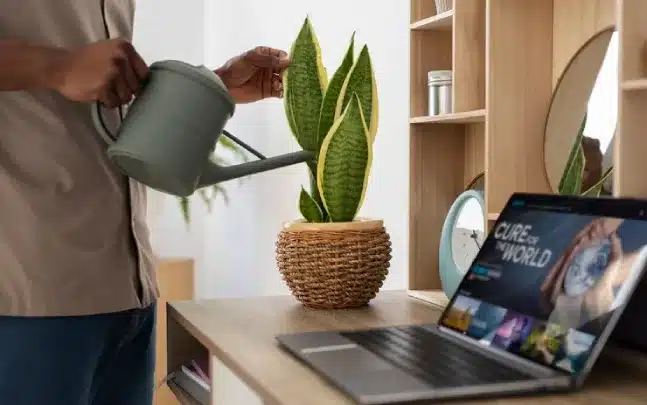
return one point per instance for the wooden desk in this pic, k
(240, 333)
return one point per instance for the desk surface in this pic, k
(240, 333)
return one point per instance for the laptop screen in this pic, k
(549, 276)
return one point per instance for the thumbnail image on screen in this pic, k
(545, 284)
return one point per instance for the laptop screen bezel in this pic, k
(625, 208)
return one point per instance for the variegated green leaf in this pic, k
(287, 105)
(327, 117)
(572, 159)
(572, 180)
(309, 208)
(361, 81)
(344, 164)
(305, 82)
(596, 189)
(329, 105)
(314, 190)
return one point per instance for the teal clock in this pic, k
(461, 239)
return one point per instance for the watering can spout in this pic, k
(214, 173)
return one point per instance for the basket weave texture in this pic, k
(334, 269)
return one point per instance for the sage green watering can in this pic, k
(172, 128)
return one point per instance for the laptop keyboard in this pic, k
(433, 359)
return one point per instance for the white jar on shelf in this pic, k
(440, 92)
(444, 5)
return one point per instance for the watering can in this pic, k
(172, 128)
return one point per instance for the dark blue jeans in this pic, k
(103, 359)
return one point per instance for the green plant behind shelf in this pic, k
(571, 181)
(209, 194)
(336, 119)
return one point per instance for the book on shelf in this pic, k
(193, 379)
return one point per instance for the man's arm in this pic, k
(24, 66)
(109, 71)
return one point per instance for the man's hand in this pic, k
(595, 230)
(109, 71)
(255, 75)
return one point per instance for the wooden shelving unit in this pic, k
(634, 85)
(446, 151)
(631, 149)
(466, 117)
(506, 57)
(442, 21)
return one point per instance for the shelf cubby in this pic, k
(506, 57)
(631, 142)
(446, 151)
(422, 10)
(440, 22)
(466, 117)
(430, 50)
(468, 50)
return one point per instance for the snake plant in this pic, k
(571, 181)
(337, 120)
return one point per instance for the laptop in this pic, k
(530, 316)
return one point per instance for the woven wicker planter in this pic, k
(334, 265)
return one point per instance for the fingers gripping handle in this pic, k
(100, 124)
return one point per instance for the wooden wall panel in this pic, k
(574, 22)
(519, 75)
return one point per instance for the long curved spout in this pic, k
(214, 173)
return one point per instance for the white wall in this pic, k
(234, 246)
(168, 29)
(241, 243)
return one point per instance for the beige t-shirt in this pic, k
(73, 237)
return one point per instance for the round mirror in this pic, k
(581, 122)
(468, 234)
(477, 183)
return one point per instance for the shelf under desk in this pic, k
(240, 334)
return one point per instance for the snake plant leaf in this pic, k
(572, 180)
(573, 158)
(361, 81)
(287, 105)
(596, 189)
(327, 116)
(305, 82)
(309, 207)
(314, 190)
(344, 164)
(329, 104)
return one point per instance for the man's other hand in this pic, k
(255, 75)
(109, 71)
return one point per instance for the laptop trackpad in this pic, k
(362, 372)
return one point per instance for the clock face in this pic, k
(468, 234)
(587, 268)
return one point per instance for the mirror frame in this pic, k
(579, 86)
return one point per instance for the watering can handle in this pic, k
(243, 145)
(100, 124)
